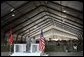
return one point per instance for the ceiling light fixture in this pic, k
(13, 14)
(12, 9)
(55, 39)
(64, 11)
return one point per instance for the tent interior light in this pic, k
(55, 39)
(13, 14)
(64, 11)
(12, 9)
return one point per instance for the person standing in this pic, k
(34, 47)
(28, 41)
(33, 40)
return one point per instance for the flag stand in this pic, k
(11, 40)
(10, 50)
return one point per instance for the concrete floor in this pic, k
(54, 53)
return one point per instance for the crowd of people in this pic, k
(68, 45)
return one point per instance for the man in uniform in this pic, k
(33, 40)
(28, 41)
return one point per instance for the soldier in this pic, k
(33, 40)
(34, 47)
(28, 41)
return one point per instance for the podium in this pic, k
(34, 48)
(20, 50)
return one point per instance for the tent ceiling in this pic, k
(29, 15)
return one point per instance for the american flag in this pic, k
(42, 42)
(11, 39)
